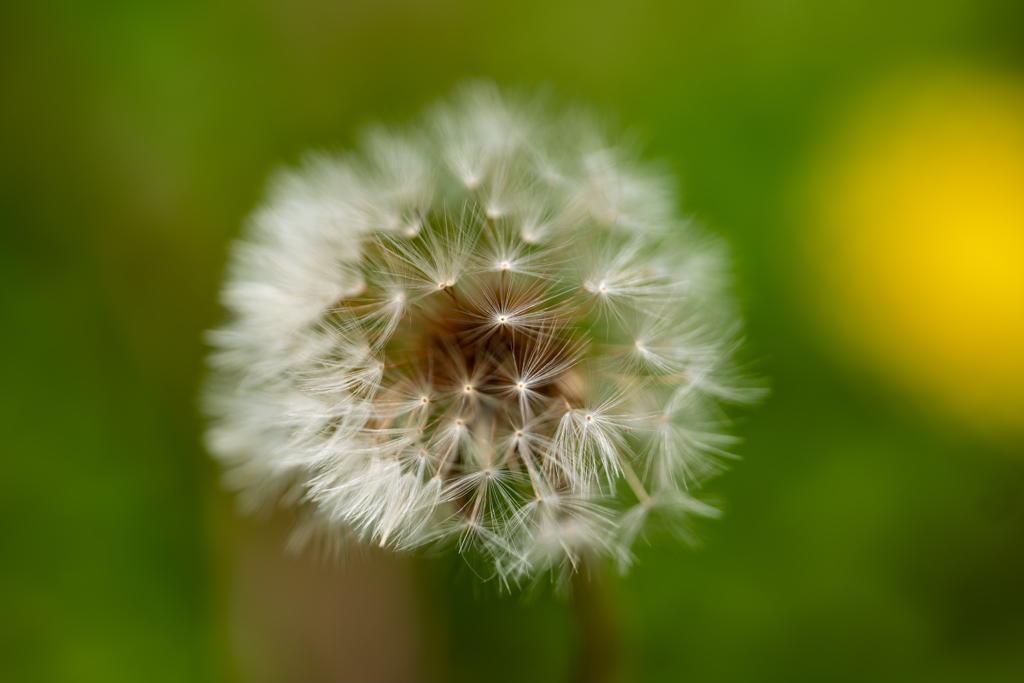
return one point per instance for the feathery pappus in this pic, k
(491, 328)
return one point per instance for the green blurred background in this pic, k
(870, 532)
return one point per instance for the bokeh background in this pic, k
(865, 160)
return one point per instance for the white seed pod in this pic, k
(491, 327)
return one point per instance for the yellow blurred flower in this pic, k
(918, 242)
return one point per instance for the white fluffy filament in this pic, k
(491, 328)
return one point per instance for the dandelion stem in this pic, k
(597, 656)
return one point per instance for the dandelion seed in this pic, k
(490, 330)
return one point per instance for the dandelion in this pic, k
(490, 329)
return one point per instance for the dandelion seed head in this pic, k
(490, 328)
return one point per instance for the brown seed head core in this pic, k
(452, 348)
